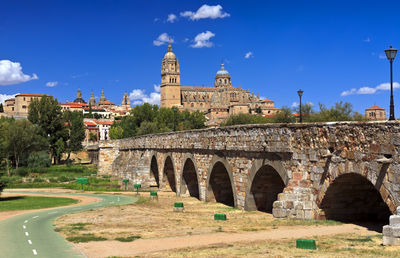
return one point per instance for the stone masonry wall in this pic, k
(308, 158)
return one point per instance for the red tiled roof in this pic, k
(94, 109)
(266, 100)
(375, 107)
(103, 123)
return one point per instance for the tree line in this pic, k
(338, 112)
(148, 119)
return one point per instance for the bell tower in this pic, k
(170, 80)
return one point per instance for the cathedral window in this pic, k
(225, 81)
(192, 105)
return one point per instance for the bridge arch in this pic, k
(220, 183)
(351, 197)
(154, 171)
(189, 178)
(266, 180)
(169, 179)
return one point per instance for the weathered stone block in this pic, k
(394, 220)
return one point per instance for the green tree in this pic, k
(46, 113)
(197, 120)
(5, 152)
(116, 132)
(3, 183)
(90, 115)
(165, 118)
(23, 138)
(1, 108)
(93, 137)
(284, 115)
(145, 112)
(76, 131)
(148, 128)
(339, 112)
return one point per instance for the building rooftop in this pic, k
(375, 107)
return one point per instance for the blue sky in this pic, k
(333, 50)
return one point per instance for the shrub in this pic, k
(38, 160)
(38, 180)
(3, 183)
(22, 171)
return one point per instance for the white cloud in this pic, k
(138, 96)
(4, 97)
(156, 19)
(74, 76)
(51, 84)
(11, 73)
(162, 39)
(367, 40)
(382, 56)
(248, 55)
(203, 40)
(370, 90)
(171, 18)
(206, 11)
(157, 88)
(295, 104)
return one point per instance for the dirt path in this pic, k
(144, 246)
(8, 214)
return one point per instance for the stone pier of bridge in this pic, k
(307, 171)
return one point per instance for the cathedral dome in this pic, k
(222, 71)
(169, 54)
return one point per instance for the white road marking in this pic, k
(52, 212)
(34, 251)
(30, 242)
(35, 217)
(26, 234)
(26, 221)
(24, 226)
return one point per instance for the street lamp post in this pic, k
(300, 93)
(391, 54)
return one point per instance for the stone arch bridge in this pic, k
(307, 171)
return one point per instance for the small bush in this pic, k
(39, 180)
(39, 160)
(3, 183)
(65, 179)
(85, 238)
(127, 239)
(22, 171)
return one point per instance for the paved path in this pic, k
(32, 234)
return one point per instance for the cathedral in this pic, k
(218, 102)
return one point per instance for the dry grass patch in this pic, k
(152, 219)
(345, 245)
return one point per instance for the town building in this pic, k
(96, 129)
(17, 107)
(375, 113)
(217, 102)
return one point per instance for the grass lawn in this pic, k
(32, 202)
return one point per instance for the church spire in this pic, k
(169, 45)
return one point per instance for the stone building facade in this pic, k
(217, 102)
(17, 107)
(375, 113)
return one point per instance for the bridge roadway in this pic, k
(32, 234)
